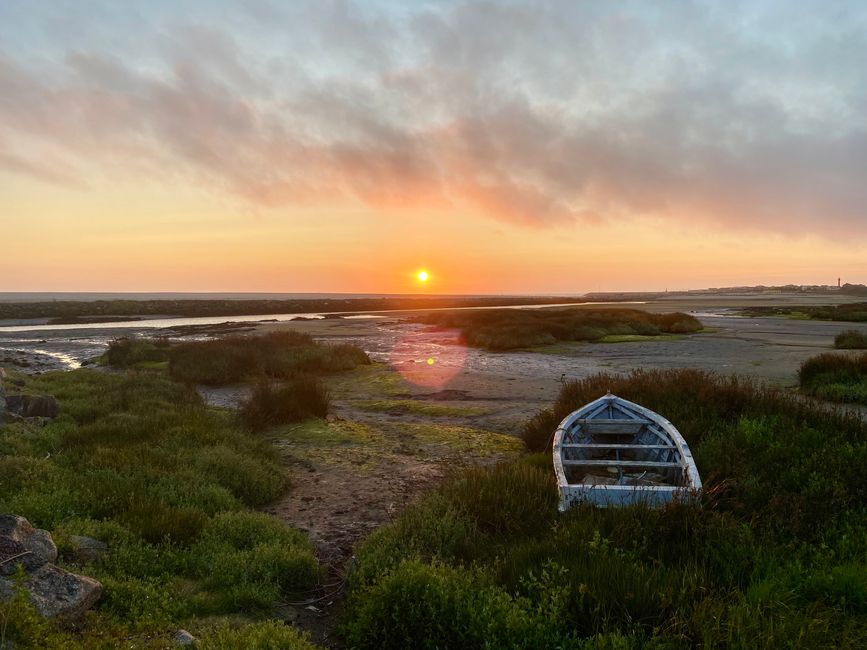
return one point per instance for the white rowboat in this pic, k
(613, 452)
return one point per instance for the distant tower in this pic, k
(838, 283)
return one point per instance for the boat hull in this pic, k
(606, 452)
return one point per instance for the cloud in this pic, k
(537, 114)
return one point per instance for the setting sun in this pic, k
(422, 276)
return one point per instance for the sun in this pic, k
(422, 276)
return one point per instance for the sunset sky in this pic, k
(505, 147)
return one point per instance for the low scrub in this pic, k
(278, 355)
(773, 557)
(127, 352)
(851, 340)
(138, 462)
(854, 312)
(297, 399)
(509, 329)
(232, 359)
(835, 377)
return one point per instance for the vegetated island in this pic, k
(74, 311)
(855, 312)
(512, 329)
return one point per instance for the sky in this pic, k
(505, 147)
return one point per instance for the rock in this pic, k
(33, 406)
(44, 406)
(182, 637)
(14, 404)
(18, 538)
(86, 549)
(54, 592)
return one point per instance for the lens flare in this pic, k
(428, 359)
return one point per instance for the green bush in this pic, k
(259, 560)
(278, 355)
(295, 400)
(513, 499)
(126, 352)
(433, 606)
(835, 377)
(267, 635)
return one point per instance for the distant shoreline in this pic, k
(108, 311)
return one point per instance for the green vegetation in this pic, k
(416, 407)
(362, 447)
(851, 340)
(637, 338)
(773, 558)
(231, 359)
(855, 312)
(510, 329)
(835, 377)
(137, 461)
(295, 400)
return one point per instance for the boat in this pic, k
(613, 452)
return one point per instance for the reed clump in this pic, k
(233, 359)
(851, 340)
(835, 377)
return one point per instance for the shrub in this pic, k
(126, 352)
(509, 499)
(267, 635)
(255, 560)
(297, 399)
(835, 377)
(850, 340)
(278, 355)
(433, 606)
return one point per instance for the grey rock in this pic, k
(31, 547)
(86, 549)
(54, 592)
(44, 406)
(182, 637)
(32, 406)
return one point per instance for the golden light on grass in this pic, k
(422, 276)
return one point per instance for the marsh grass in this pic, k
(835, 377)
(416, 407)
(294, 400)
(510, 329)
(137, 461)
(278, 355)
(850, 340)
(772, 558)
(232, 359)
(855, 312)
